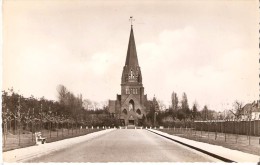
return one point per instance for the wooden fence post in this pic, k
(254, 127)
(32, 130)
(208, 124)
(225, 131)
(195, 130)
(200, 129)
(237, 128)
(4, 135)
(68, 128)
(57, 127)
(19, 137)
(72, 128)
(249, 140)
(216, 131)
(50, 128)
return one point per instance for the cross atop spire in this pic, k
(131, 20)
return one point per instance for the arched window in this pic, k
(131, 105)
(138, 111)
(131, 74)
(125, 111)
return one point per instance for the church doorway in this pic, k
(122, 122)
(131, 122)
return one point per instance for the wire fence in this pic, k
(20, 134)
(239, 135)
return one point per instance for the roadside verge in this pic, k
(24, 154)
(218, 152)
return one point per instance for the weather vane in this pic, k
(131, 20)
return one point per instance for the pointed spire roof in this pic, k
(131, 58)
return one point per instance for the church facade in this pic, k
(131, 106)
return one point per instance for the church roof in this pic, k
(131, 58)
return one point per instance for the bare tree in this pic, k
(87, 103)
(205, 112)
(96, 105)
(161, 104)
(185, 106)
(62, 93)
(194, 110)
(174, 101)
(238, 107)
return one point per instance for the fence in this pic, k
(233, 127)
(20, 134)
(245, 143)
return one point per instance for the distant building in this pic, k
(255, 115)
(245, 113)
(251, 111)
(132, 105)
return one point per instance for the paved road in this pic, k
(127, 146)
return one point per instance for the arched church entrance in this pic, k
(131, 120)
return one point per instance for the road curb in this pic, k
(196, 148)
(28, 153)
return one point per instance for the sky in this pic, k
(207, 49)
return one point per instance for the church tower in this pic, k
(131, 80)
(130, 106)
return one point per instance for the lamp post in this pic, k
(50, 120)
(41, 118)
(19, 119)
(155, 113)
(249, 117)
(216, 126)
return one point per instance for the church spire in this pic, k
(131, 58)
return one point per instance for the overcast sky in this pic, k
(208, 49)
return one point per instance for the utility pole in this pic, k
(19, 118)
(155, 113)
(41, 118)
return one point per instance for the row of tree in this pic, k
(179, 110)
(72, 109)
(19, 111)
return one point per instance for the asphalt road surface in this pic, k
(127, 145)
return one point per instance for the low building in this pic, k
(255, 115)
(251, 111)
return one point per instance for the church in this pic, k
(131, 107)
